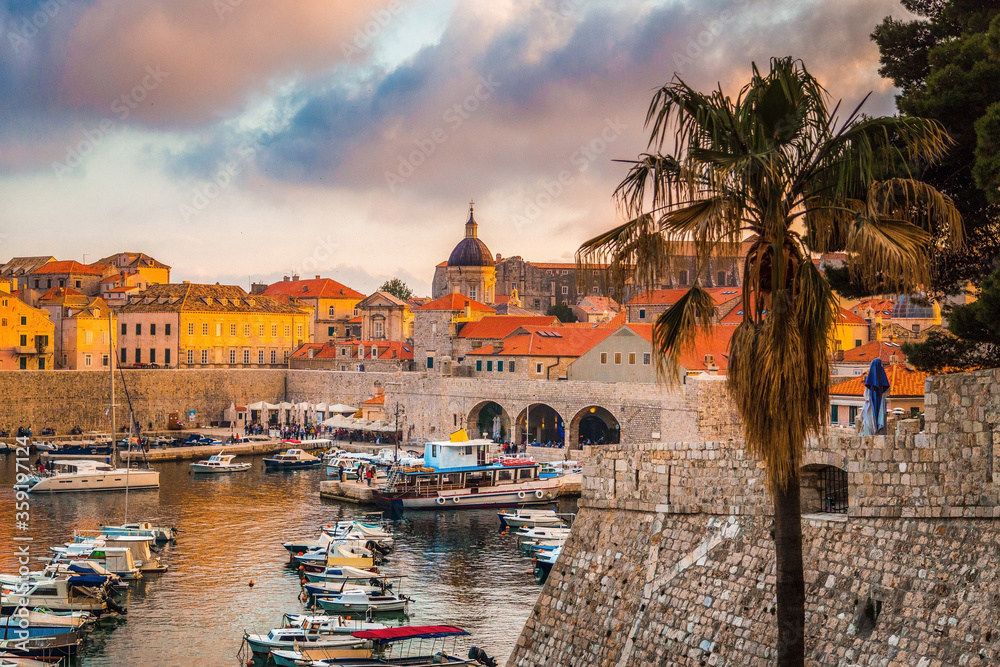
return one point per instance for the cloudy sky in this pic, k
(239, 139)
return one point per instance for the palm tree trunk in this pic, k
(790, 585)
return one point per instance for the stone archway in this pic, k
(540, 423)
(483, 419)
(596, 424)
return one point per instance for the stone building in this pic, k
(17, 269)
(135, 269)
(906, 393)
(358, 356)
(215, 326)
(333, 305)
(627, 356)
(385, 317)
(82, 329)
(647, 306)
(84, 278)
(470, 269)
(26, 335)
(493, 328)
(473, 272)
(435, 327)
(540, 353)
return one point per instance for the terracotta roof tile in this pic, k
(847, 317)
(548, 342)
(903, 382)
(875, 349)
(668, 297)
(71, 267)
(501, 326)
(375, 400)
(715, 343)
(323, 288)
(455, 301)
(192, 297)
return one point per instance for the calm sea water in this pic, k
(458, 569)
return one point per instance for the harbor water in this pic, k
(458, 568)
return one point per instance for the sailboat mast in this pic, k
(111, 367)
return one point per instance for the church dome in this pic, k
(471, 251)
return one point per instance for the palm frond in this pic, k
(676, 328)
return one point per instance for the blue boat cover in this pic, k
(87, 580)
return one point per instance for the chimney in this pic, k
(468, 310)
(312, 353)
(294, 278)
(284, 278)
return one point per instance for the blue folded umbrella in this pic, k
(877, 385)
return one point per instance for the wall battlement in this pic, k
(671, 559)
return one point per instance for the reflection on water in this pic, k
(457, 568)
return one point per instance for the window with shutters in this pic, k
(246, 356)
(204, 355)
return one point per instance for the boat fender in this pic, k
(539, 494)
(440, 500)
(456, 500)
(520, 494)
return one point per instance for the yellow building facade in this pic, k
(82, 329)
(333, 304)
(203, 326)
(26, 335)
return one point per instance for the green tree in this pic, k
(973, 336)
(947, 64)
(759, 166)
(397, 288)
(562, 311)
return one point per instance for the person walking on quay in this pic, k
(368, 474)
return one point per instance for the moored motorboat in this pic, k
(65, 644)
(289, 638)
(461, 475)
(292, 459)
(529, 518)
(219, 463)
(419, 646)
(359, 601)
(340, 573)
(144, 528)
(547, 536)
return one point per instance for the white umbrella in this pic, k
(342, 409)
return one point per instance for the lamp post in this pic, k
(395, 424)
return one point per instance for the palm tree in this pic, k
(776, 168)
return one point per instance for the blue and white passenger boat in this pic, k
(461, 475)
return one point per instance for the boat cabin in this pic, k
(468, 454)
(80, 467)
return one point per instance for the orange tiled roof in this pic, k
(501, 326)
(904, 382)
(668, 297)
(715, 342)
(71, 267)
(876, 349)
(375, 400)
(847, 317)
(455, 301)
(61, 292)
(548, 342)
(355, 320)
(324, 288)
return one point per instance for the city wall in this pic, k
(431, 406)
(671, 558)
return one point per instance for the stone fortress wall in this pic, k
(671, 562)
(433, 406)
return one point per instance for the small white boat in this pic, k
(292, 638)
(530, 518)
(340, 573)
(358, 601)
(144, 529)
(542, 536)
(219, 463)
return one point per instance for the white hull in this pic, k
(202, 468)
(115, 480)
(494, 496)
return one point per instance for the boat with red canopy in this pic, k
(405, 646)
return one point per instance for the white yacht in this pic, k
(219, 463)
(85, 475)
